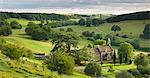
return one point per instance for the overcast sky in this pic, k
(76, 6)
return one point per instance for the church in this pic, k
(103, 52)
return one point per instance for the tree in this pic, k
(88, 22)
(93, 69)
(82, 55)
(95, 22)
(100, 42)
(98, 36)
(61, 62)
(5, 31)
(115, 28)
(82, 22)
(141, 59)
(39, 34)
(69, 30)
(64, 41)
(15, 25)
(146, 32)
(87, 34)
(114, 57)
(126, 51)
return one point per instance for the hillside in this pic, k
(131, 16)
(135, 27)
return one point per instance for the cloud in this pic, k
(79, 6)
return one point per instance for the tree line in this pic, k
(130, 16)
(33, 16)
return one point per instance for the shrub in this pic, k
(100, 42)
(115, 28)
(124, 74)
(141, 59)
(69, 30)
(12, 51)
(5, 31)
(39, 34)
(87, 34)
(82, 55)
(15, 25)
(93, 69)
(98, 36)
(144, 70)
(146, 32)
(61, 62)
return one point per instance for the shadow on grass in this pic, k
(25, 36)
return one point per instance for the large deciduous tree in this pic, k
(126, 52)
(146, 32)
(64, 41)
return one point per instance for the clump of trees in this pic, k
(146, 32)
(15, 25)
(34, 16)
(61, 62)
(125, 52)
(93, 69)
(90, 22)
(38, 32)
(5, 28)
(115, 28)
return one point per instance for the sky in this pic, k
(75, 6)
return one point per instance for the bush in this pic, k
(61, 62)
(39, 34)
(124, 74)
(146, 32)
(82, 55)
(69, 30)
(141, 59)
(144, 70)
(115, 28)
(93, 69)
(5, 31)
(87, 34)
(12, 51)
(100, 42)
(15, 25)
(98, 36)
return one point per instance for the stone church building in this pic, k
(103, 52)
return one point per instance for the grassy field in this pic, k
(19, 36)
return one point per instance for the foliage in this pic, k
(15, 25)
(81, 22)
(88, 22)
(141, 59)
(93, 69)
(115, 28)
(82, 55)
(146, 32)
(69, 30)
(39, 34)
(33, 16)
(88, 34)
(12, 51)
(126, 51)
(5, 31)
(98, 36)
(61, 62)
(64, 41)
(95, 22)
(100, 42)
(144, 70)
(130, 16)
(124, 74)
